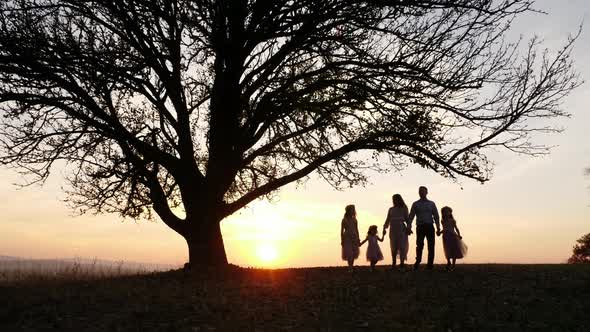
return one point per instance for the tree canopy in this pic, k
(202, 106)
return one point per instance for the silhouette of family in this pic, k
(399, 221)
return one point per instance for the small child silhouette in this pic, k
(453, 243)
(373, 251)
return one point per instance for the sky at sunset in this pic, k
(531, 211)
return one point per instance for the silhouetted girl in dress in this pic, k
(453, 244)
(373, 251)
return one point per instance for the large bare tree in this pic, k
(194, 108)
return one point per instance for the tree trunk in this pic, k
(205, 246)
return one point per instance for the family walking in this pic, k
(399, 221)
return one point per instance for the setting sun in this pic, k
(267, 253)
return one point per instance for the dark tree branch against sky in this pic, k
(193, 109)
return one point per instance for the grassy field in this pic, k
(472, 298)
(18, 270)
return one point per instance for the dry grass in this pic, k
(42, 270)
(472, 298)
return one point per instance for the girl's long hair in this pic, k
(398, 201)
(349, 211)
(445, 209)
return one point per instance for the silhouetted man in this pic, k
(426, 215)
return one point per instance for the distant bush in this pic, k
(581, 251)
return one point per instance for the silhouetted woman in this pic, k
(349, 236)
(397, 220)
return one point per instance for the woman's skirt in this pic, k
(350, 249)
(398, 241)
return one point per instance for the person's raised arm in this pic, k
(457, 229)
(387, 222)
(365, 240)
(380, 238)
(407, 218)
(342, 231)
(356, 225)
(436, 217)
(412, 215)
